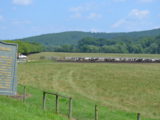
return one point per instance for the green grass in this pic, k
(61, 54)
(14, 109)
(121, 90)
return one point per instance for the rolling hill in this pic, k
(73, 37)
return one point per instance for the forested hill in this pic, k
(74, 36)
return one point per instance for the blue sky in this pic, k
(22, 18)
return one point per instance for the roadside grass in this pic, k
(121, 90)
(15, 109)
(63, 54)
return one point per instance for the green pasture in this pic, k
(120, 90)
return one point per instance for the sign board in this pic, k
(8, 57)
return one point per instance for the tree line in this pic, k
(150, 45)
(27, 47)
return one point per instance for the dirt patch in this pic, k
(21, 96)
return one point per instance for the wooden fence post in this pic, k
(70, 108)
(57, 104)
(44, 100)
(24, 93)
(138, 116)
(96, 112)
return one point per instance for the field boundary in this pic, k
(70, 100)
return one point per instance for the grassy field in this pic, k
(15, 109)
(120, 89)
(61, 54)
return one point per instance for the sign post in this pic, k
(8, 57)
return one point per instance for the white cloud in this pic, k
(3, 27)
(77, 15)
(94, 16)
(94, 30)
(130, 25)
(84, 7)
(85, 11)
(156, 27)
(119, 23)
(89, 16)
(134, 19)
(139, 13)
(22, 2)
(80, 9)
(1, 18)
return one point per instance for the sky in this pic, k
(24, 18)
